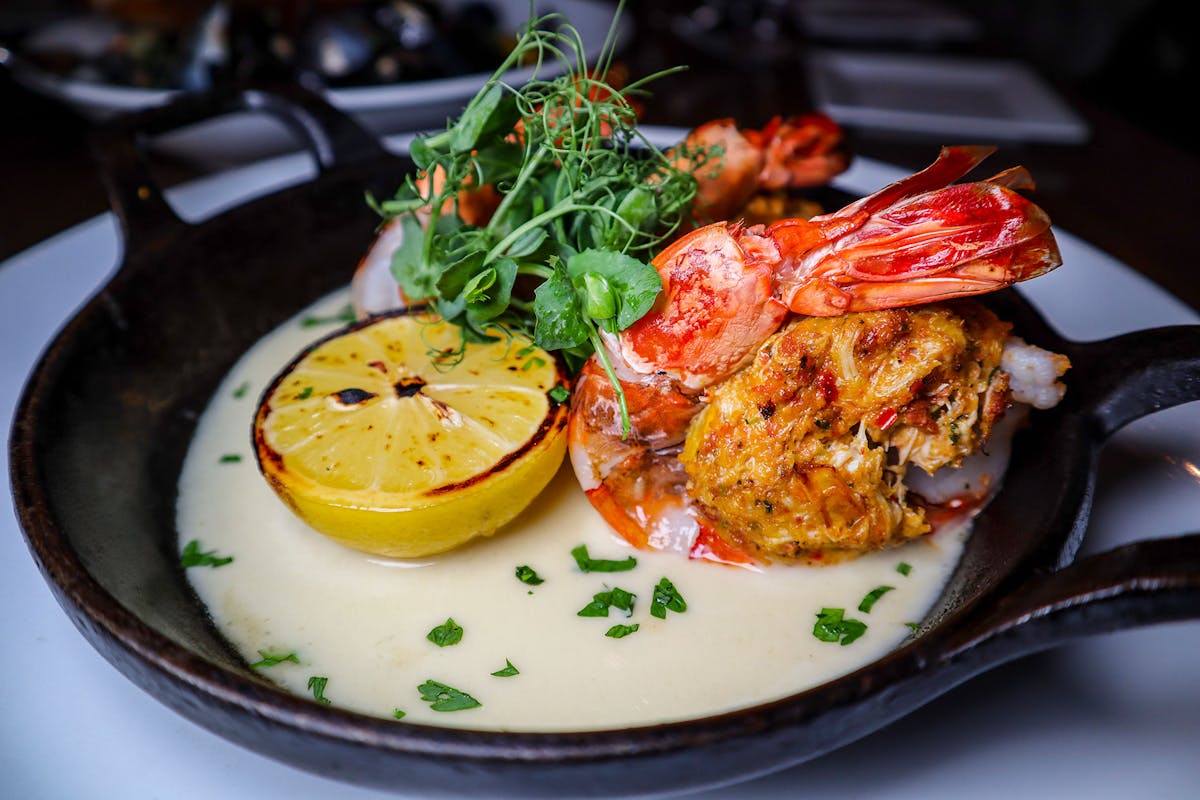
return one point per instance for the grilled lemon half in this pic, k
(395, 438)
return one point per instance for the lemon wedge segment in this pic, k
(393, 438)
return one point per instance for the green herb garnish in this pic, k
(588, 564)
(398, 713)
(316, 685)
(621, 631)
(230, 458)
(832, 626)
(580, 212)
(526, 575)
(240, 391)
(446, 698)
(913, 626)
(446, 634)
(616, 597)
(869, 601)
(904, 568)
(343, 317)
(193, 556)
(271, 659)
(666, 597)
(305, 393)
(508, 671)
(559, 393)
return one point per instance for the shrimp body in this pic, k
(727, 289)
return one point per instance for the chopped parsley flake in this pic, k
(398, 713)
(559, 393)
(904, 568)
(343, 317)
(613, 598)
(832, 626)
(869, 601)
(270, 659)
(316, 685)
(913, 626)
(446, 698)
(666, 597)
(588, 564)
(230, 458)
(240, 391)
(446, 634)
(621, 631)
(508, 671)
(193, 556)
(305, 393)
(527, 575)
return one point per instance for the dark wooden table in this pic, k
(1125, 191)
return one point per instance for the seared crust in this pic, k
(801, 455)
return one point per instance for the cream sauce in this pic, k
(361, 622)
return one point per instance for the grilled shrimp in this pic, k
(727, 289)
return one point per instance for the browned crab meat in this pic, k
(802, 454)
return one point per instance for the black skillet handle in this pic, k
(1147, 582)
(1120, 379)
(331, 137)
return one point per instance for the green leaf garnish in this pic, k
(621, 631)
(579, 214)
(666, 597)
(904, 568)
(616, 597)
(832, 626)
(588, 564)
(869, 601)
(508, 671)
(559, 393)
(446, 698)
(527, 575)
(241, 390)
(913, 626)
(271, 659)
(230, 458)
(316, 685)
(446, 634)
(398, 713)
(343, 317)
(193, 556)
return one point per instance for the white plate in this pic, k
(944, 95)
(241, 138)
(1109, 717)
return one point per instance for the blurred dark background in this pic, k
(1125, 67)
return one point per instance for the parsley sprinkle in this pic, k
(271, 659)
(666, 597)
(305, 393)
(588, 564)
(869, 601)
(316, 684)
(621, 631)
(193, 556)
(533, 363)
(913, 626)
(240, 391)
(508, 671)
(398, 714)
(559, 393)
(526, 575)
(345, 316)
(613, 598)
(446, 634)
(230, 458)
(833, 627)
(446, 698)
(904, 568)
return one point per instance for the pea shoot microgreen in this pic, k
(583, 201)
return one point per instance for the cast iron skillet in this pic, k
(106, 417)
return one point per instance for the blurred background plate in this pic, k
(384, 107)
